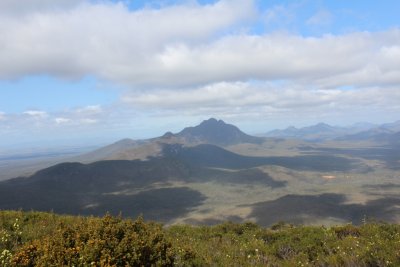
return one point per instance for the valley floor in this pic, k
(294, 181)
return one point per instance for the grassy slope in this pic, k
(37, 238)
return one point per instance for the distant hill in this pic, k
(210, 131)
(217, 132)
(320, 131)
(387, 133)
(394, 126)
(357, 132)
(108, 151)
(380, 135)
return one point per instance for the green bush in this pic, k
(110, 241)
(46, 239)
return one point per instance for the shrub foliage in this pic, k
(45, 239)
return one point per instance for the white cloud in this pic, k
(2, 115)
(40, 125)
(181, 46)
(195, 60)
(151, 48)
(210, 95)
(278, 56)
(39, 114)
(60, 120)
(13, 7)
(82, 116)
(47, 120)
(88, 121)
(265, 99)
(90, 110)
(259, 105)
(107, 40)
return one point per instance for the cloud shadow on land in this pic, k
(390, 155)
(382, 186)
(211, 156)
(74, 188)
(251, 176)
(300, 209)
(162, 204)
(213, 221)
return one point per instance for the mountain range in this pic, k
(211, 131)
(323, 132)
(219, 133)
(214, 171)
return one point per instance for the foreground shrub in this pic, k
(108, 242)
(229, 244)
(46, 239)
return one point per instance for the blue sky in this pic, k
(77, 71)
(43, 92)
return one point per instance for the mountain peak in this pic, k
(212, 121)
(167, 135)
(217, 132)
(319, 127)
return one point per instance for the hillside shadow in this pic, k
(212, 221)
(75, 188)
(162, 204)
(389, 155)
(243, 177)
(382, 186)
(211, 156)
(300, 209)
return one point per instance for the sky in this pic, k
(88, 72)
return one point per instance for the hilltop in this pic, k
(217, 132)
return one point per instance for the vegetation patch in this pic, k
(46, 239)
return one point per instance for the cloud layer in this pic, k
(196, 61)
(106, 40)
(183, 46)
(269, 100)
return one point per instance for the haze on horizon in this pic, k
(80, 71)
